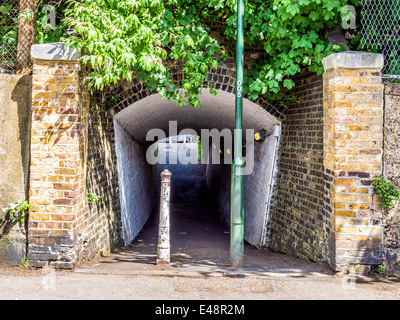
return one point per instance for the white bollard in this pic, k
(164, 248)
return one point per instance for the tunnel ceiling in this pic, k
(214, 112)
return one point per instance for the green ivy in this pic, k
(127, 38)
(92, 197)
(387, 192)
(18, 211)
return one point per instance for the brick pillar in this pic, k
(353, 138)
(58, 157)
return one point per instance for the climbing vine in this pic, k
(144, 38)
(387, 192)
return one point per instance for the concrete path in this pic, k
(118, 277)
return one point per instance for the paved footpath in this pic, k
(121, 276)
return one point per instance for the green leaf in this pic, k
(288, 83)
(126, 37)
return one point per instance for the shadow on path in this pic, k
(200, 245)
(200, 239)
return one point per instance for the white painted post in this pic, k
(164, 248)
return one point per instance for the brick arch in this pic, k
(106, 215)
(131, 125)
(222, 79)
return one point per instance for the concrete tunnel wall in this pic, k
(257, 193)
(136, 178)
(136, 184)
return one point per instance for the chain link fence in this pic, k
(380, 21)
(9, 11)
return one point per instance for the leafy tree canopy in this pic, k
(126, 38)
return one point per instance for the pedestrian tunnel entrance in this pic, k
(201, 185)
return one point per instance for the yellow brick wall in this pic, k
(353, 150)
(57, 173)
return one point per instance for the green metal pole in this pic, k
(237, 183)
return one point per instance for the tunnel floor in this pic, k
(199, 236)
(198, 233)
(200, 244)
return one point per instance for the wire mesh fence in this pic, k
(380, 21)
(9, 11)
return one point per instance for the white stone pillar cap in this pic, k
(353, 60)
(54, 51)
